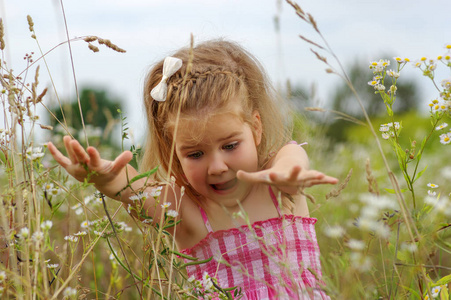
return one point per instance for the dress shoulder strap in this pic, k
(205, 218)
(274, 200)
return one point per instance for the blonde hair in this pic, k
(219, 71)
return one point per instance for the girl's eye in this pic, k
(230, 146)
(195, 155)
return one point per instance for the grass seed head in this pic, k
(93, 48)
(90, 39)
(30, 23)
(2, 34)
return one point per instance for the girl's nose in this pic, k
(217, 165)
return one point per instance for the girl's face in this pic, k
(211, 155)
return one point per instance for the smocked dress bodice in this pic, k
(276, 258)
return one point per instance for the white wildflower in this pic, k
(71, 238)
(80, 233)
(382, 230)
(384, 128)
(24, 232)
(445, 138)
(441, 126)
(88, 199)
(432, 185)
(431, 193)
(166, 205)
(360, 262)
(379, 87)
(46, 225)
(393, 74)
(2, 276)
(52, 266)
(124, 226)
(34, 153)
(385, 136)
(172, 213)
(378, 202)
(37, 236)
(334, 231)
(411, 247)
(139, 197)
(435, 291)
(446, 83)
(69, 292)
(156, 192)
(373, 82)
(147, 221)
(446, 172)
(207, 282)
(356, 244)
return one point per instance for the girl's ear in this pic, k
(257, 126)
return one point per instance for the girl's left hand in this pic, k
(289, 180)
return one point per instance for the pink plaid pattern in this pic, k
(272, 259)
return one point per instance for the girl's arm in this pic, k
(288, 171)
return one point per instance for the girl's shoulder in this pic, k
(191, 228)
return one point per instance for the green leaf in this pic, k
(389, 111)
(143, 175)
(419, 174)
(171, 224)
(392, 191)
(444, 294)
(197, 262)
(444, 280)
(415, 293)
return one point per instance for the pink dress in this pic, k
(272, 259)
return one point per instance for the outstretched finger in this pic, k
(70, 152)
(79, 151)
(58, 156)
(122, 160)
(325, 180)
(294, 173)
(94, 157)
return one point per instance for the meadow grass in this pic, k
(383, 231)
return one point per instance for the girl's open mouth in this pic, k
(224, 186)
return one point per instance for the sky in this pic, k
(149, 30)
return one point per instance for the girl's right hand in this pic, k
(82, 164)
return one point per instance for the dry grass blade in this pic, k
(313, 22)
(372, 183)
(315, 109)
(320, 57)
(311, 42)
(310, 197)
(336, 192)
(298, 9)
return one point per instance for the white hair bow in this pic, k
(170, 66)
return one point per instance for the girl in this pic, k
(215, 127)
